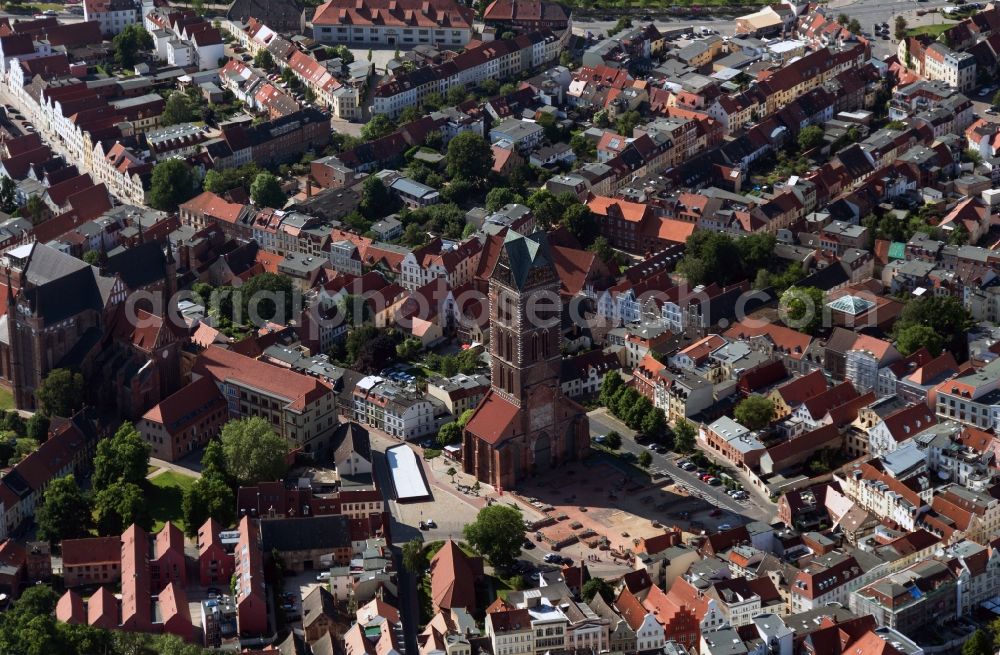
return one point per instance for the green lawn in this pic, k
(6, 399)
(931, 30)
(164, 498)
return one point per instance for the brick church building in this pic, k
(524, 425)
(60, 312)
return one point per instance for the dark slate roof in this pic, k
(293, 645)
(60, 286)
(827, 278)
(317, 602)
(139, 266)
(74, 358)
(324, 646)
(351, 437)
(47, 264)
(279, 15)
(311, 533)
(525, 254)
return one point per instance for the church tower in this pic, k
(525, 314)
(524, 425)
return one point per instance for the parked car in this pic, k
(724, 527)
(528, 545)
(323, 577)
(713, 481)
(423, 525)
(552, 558)
(431, 524)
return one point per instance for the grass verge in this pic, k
(164, 498)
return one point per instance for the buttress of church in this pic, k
(524, 425)
(61, 312)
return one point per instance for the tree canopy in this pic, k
(469, 158)
(123, 457)
(120, 505)
(29, 627)
(376, 199)
(129, 43)
(684, 435)
(498, 197)
(579, 221)
(945, 315)
(414, 557)
(911, 338)
(178, 109)
(497, 533)
(37, 427)
(596, 586)
(549, 209)
(266, 191)
(379, 126)
(60, 393)
(803, 308)
(172, 183)
(264, 59)
(979, 643)
(755, 412)
(716, 257)
(64, 513)
(254, 451)
(810, 137)
(208, 497)
(267, 297)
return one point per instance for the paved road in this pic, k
(867, 12)
(752, 510)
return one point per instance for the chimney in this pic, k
(309, 188)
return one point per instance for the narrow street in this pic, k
(755, 509)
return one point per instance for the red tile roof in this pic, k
(573, 268)
(93, 550)
(395, 13)
(70, 609)
(905, 423)
(684, 594)
(788, 341)
(210, 204)
(492, 418)
(877, 347)
(632, 212)
(187, 405)
(819, 405)
(208, 536)
(102, 609)
(453, 577)
(524, 10)
(798, 390)
(871, 644)
(223, 365)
